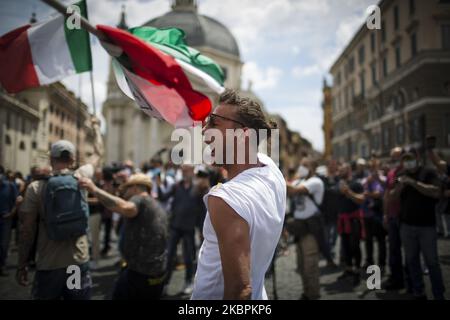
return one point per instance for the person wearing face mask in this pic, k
(391, 222)
(417, 189)
(307, 225)
(350, 222)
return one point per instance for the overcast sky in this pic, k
(287, 46)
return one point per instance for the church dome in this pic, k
(200, 30)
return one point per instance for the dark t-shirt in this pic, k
(330, 202)
(145, 238)
(345, 204)
(416, 209)
(8, 196)
(187, 206)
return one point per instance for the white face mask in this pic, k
(303, 172)
(410, 164)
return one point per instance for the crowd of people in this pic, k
(400, 205)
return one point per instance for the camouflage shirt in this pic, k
(145, 238)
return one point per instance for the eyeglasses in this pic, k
(210, 120)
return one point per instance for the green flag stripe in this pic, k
(78, 43)
(171, 41)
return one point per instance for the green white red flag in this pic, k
(44, 52)
(166, 78)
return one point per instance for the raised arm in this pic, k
(99, 150)
(233, 235)
(126, 208)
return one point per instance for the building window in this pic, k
(346, 97)
(447, 128)
(51, 108)
(413, 44)
(400, 134)
(361, 54)
(50, 128)
(225, 72)
(364, 152)
(383, 31)
(23, 127)
(56, 130)
(397, 56)
(385, 66)
(7, 139)
(8, 120)
(34, 144)
(372, 42)
(386, 138)
(445, 36)
(373, 69)
(22, 145)
(415, 94)
(412, 7)
(375, 141)
(351, 64)
(396, 18)
(353, 90)
(338, 79)
(62, 134)
(362, 84)
(417, 129)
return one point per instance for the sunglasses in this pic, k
(210, 120)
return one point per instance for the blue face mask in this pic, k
(170, 173)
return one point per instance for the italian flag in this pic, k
(43, 53)
(167, 79)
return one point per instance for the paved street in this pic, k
(287, 280)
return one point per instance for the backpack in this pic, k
(65, 207)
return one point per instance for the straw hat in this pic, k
(137, 179)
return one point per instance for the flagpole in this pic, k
(78, 121)
(93, 93)
(84, 23)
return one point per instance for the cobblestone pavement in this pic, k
(288, 282)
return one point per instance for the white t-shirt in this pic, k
(304, 206)
(259, 196)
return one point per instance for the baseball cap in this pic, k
(60, 146)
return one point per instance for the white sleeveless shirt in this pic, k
(258, 195)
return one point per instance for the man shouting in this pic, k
(245, 214)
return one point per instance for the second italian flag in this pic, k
(166, 78)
